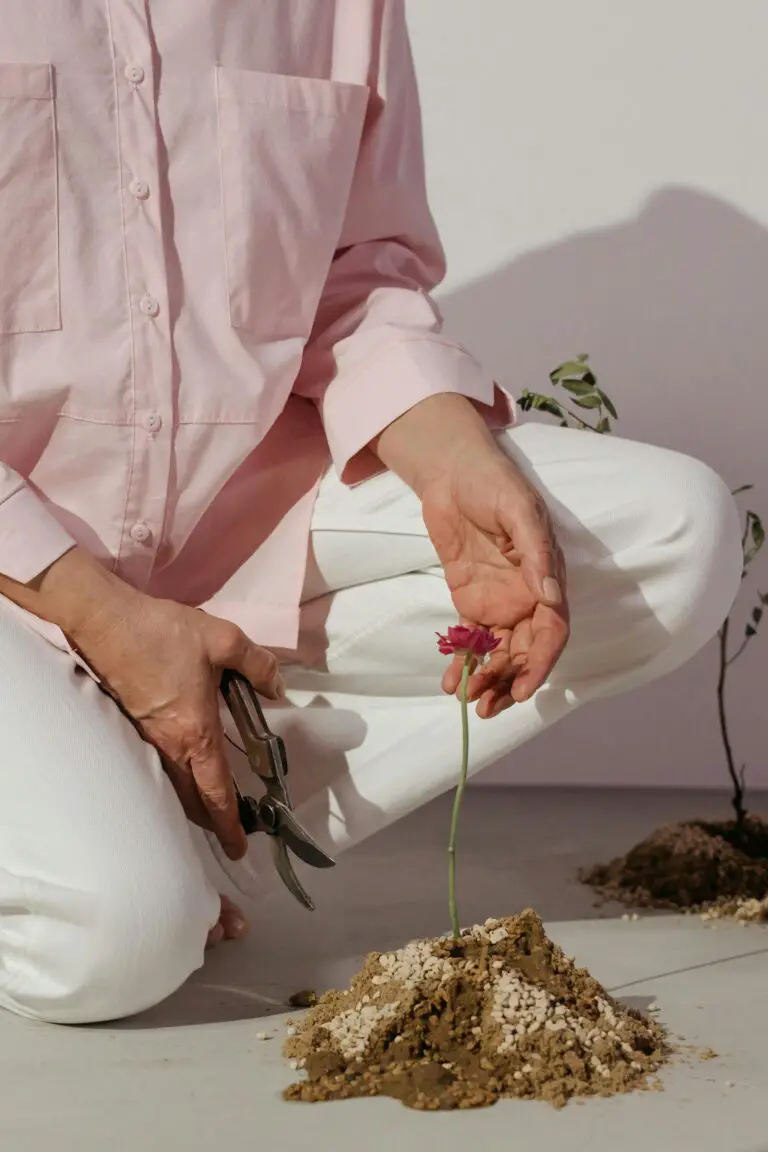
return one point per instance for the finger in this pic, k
(549, 636)
(186, 789)
(231, 648)
(451, 681)
(216, 787)
(505, 662)
(530, 529)
(495, 700)
(173, 760)
(499, 666)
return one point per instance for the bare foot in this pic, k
(232, 924)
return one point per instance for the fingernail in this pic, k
(551, 590)
(280, 689)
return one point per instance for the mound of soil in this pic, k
(688, 866)
(444, 1024)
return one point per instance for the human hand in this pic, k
(495, 540)
(162, 662)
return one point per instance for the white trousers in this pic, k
(105, 898)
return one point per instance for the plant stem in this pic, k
(738, 652)
(738, 782)
(578, 419)
(455, 926)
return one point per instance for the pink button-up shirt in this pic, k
(215, 260)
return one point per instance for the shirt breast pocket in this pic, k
(29, 243)
(288, 146)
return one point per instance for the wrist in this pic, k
(432, 438)
(72, 593)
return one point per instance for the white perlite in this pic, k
(744, 909)
(491, 931)
(408, 966)
(353, 1029)
(412, 964)
(518, 1007)
(522, 1009)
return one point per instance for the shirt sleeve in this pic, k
(377, 347)
(31, 539)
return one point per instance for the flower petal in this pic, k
(463, 638)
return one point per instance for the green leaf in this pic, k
(583, 357)
(749, 631)
(763, 597)
(541, 403)
(575, 368)
(592, 401)
(608, 403)
(578, 387)
(757, 532)
(549, 406)
(757, 615)
(754, 537)
(604, 425)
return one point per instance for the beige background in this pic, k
(599, 173)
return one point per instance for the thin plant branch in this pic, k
(732, 659)
(577, 377)
(737, 779)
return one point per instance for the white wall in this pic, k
(600, 175)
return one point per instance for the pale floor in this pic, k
(191, 1075)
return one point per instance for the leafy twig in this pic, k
(737, 778)
(752, 541)
(578, 379)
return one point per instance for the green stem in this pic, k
(578, 419)
(457, 800)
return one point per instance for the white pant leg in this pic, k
(104, 906)
(653, 552)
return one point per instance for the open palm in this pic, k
(495, 540)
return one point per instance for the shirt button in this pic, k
(139, 189)
(153, 422)
(140, 532)
(149, 306)
(134, 73)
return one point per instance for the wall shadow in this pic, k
(670, 306)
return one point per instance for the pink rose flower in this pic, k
(462, 639)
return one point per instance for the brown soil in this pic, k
(690, 865)
(446, 1024)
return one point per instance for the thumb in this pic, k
(230, 648)
(541, 581)
(539, 556)
(261, 669)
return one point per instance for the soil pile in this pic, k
(688, 866)
(748, 911)
(446, 1024)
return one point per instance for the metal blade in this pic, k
(297, 838)
(265, 751)
(287, 874)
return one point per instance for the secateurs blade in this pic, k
(273, 812)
